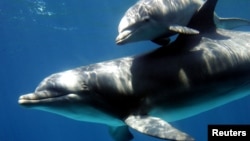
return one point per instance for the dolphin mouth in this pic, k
(123, 37)
(42, 97)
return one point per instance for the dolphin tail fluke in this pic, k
(120, 133)
(230, 23)
(156, 127)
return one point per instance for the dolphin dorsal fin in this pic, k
(203, 19)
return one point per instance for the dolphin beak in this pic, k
(45, 97)
(118, 40)
(123, 37)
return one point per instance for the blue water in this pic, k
(41, 37)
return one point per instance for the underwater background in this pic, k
(41, 37)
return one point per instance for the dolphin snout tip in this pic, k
(119, 40)
(23, 99)
(124, 37)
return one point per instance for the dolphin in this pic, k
(157, 20)
(146, 92)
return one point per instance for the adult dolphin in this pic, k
(157, 20)
(193, 74)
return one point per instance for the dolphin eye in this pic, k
(146, 19)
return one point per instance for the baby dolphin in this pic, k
(157, 20)
(149, 19)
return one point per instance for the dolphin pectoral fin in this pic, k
(156, 127)
(161, 41)
(183, 29)
(230, 23)
(120, 133)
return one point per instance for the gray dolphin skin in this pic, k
(156, 20)
(193, 74)
(150, 19)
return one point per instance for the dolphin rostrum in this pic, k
(193, 74)
(157, 20)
